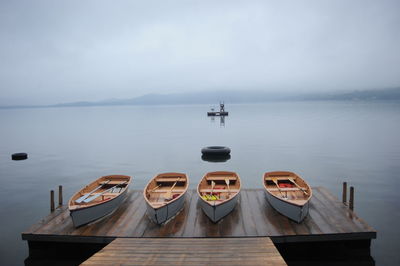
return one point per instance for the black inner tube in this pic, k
(215, 150)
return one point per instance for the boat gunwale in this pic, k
(171, 201)
(83, 207)
(225, 201)
(290, 175)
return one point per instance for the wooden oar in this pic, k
(88, 194)
(276, 183)
(227, 183)
(212, 187)
(155, 188)
(105, 191)
(294, 182)
(168, 196)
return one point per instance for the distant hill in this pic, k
(236, 96)
(244, 97)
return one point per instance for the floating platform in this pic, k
(188, 251)
(329, 221)
(217, 113)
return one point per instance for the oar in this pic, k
(155, 188)
(227, 183)
(88, 194)
(169, 193)
(212, 187)
(105, 191)
(294, 182)
(276, 183)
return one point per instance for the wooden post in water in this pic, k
(344, 193)
(52, 200)
(351, 201)
(60, 196)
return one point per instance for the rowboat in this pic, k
(288, 193)
(98, 199)
(218, 192)
(165, 196)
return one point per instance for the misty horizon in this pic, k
(231, 97)
(59, 52)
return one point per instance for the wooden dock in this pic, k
(188, 251)
(329, 223)
(328, 220)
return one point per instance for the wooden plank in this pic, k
(286, 189)
(245, 216)
(221, 178)
(257, 208)
(171, 179)
(281, 177)
(279, 223)
(218, 190)
(189, 226)
(45, 220)
(168, 190)
(184, 251)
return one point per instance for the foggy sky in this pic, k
(61, 51)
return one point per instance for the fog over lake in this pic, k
(53, 52)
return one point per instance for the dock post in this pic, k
(344, 193)
(60, 196)
(52, 200)
(351, 201)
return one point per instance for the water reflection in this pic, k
(221, 120)
(217, 158)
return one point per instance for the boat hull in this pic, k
(294, 212)
(217, 212)
(166, 212)
(89, 214)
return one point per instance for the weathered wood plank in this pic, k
(189, 225)
(184, 251)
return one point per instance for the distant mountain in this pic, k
(244, 97)
(236, 96)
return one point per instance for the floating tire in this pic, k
(19, 156)
(216, 150)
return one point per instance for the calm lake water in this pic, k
(325, 142)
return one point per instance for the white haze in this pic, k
(60, 51)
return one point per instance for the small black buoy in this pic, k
(19, 156)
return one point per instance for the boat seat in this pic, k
(221, 178)
(110, 194)
(287, 189)
(166, 190)
(170, 179)
(218, 190)
(113, 182)
(280, 178)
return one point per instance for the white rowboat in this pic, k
(98, 199)
(288, 193)
(218, 192)
(165, 196)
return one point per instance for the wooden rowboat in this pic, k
(218, 192)
(165, 196)
(98, 199)
(288, 193)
